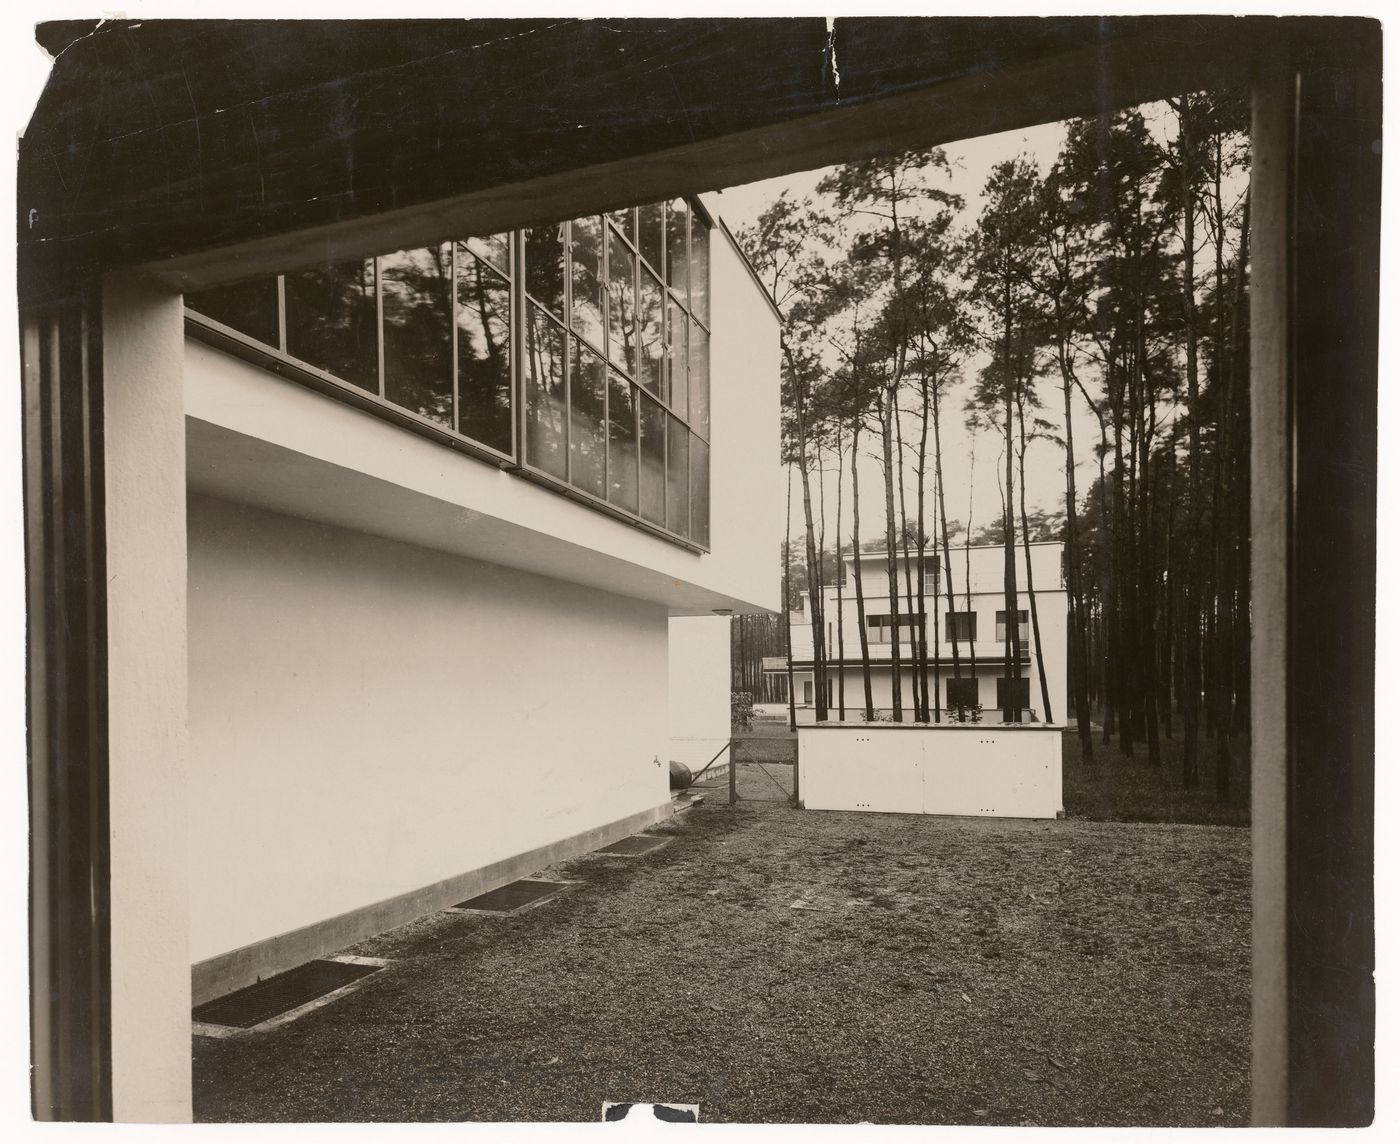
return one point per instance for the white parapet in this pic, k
(990, 770)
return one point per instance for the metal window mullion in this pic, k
(379, 321)
(519, 315)
(282, 312)
(607, 372)
(570, 351)
(452, 317)
(637, 448)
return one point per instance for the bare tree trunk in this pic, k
(1011, 708)
(888, 414)
(1030, 572)
(814, 594)
(922, 623)
(967, 563)
(860, 588)
(1078, 618)
(787, 610)
(919, 715)
(840, 597)
(947, 552)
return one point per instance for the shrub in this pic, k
(966, 713)
(740, 711)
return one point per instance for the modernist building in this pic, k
(168, 158)
(445, 506)
(974, 627)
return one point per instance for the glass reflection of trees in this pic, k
(545, 404)
(333, 320)
(483, 350)
(416, 287)
(613, 333)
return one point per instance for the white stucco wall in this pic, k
(368, 717)
(699, 680)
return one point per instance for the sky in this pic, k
(970, 466)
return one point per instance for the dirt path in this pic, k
(936, 971)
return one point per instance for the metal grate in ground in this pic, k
(512, 896)
(634, 847)
(280, 994)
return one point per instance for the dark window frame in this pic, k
(1023, 623)
(952, 630)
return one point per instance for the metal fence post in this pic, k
(733, 766)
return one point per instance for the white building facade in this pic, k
(459, 522)
(976, 620)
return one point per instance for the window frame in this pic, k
(276, 359)
(1023, 625)
(951, 633)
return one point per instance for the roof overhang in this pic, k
(205, 151)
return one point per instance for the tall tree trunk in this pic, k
(947, 549)
(888, 414)
(787, 610)
(840, 594)
(967, 562)
(1030, 571)
(909, 610)
(922, 622)
(1078, 619)
(1011, 708)
(860, 588)
(814, 594)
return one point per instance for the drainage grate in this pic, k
(511, 897)
(255, 1004)
(633, 847)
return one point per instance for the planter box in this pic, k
(991, 770)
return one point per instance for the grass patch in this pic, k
(1113, 788)
(935, 971)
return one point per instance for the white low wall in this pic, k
(699, 679)
(977, 770)
(368, 717)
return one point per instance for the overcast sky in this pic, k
(968, 484)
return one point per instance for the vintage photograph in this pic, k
(772, 570)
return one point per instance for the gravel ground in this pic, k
(955, 971)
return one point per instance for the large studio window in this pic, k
(578, 350)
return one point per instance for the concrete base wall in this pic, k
(369, 718)
(1001, 772)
